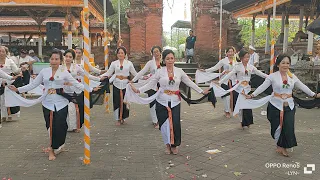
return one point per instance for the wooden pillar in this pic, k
(63, 39)
(267, 47)
(301, 17)
(310, 34)
(253, 29)
(9, 38)
(286, 32)
(69, 39)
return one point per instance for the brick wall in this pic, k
(145, 22)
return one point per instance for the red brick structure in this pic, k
(206, 26)
(145, 22)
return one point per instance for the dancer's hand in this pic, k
(96, 88)
(13, 88)
(103, 71)
(215, 82)
(134, 89)
(18, 75)
(206, 92)
(318, 95)
(202, 70)
(248, 96)
(67, 84)
(33, 76)
(145, 77)
(103, 78)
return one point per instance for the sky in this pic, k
(177, 13)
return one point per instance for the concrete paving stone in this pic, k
(136, 151)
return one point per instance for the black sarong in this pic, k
(56, 125)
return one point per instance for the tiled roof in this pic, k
(30, 22)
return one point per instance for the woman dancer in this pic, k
(152, 66)
(243, 73)
(8, 66)
(121, 68)
(73, 120)
(227, 63)
(55, 107)
(168, 100)
(79, 60)
(281, 109)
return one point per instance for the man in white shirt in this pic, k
(33, 56)
(254, 57)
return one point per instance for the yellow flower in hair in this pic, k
(290, 74)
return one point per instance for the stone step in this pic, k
(185, 65)
(189, 70)
(192, 75)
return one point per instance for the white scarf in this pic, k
(131, 96)
(13, 99)
(202, 77)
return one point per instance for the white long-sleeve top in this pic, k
(9, 67)
(254, 58)
(162, 77)
(78, 73)
(4, 76)
(91, 68)
(151, 67)
(227, 66)
(115, 69)
(53, 101)
(275, 80)
(240, 71)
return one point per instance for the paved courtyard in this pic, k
(136, 151)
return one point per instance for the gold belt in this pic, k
(121, 77)
(171, 92)
(244, 83)
(282, 96)
(52, 91)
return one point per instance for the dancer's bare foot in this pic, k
(168, 149)
(4, 119)
(156, 125)
(285, 152)
(279, 150)
(46, 150)
(174, 150)
(227, 114)
(51, 155)
(241, 126)
(118, 123)
(9, 119)
(76, 130)
(282, 151)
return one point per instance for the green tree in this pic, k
(260, 31)
(112, 21)
(176, 38)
